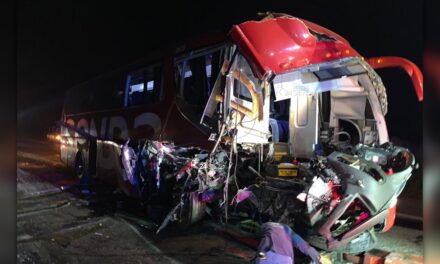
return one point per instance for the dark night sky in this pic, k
(62, 43)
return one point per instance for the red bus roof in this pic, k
(287, 43)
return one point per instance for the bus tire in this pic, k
(83, 173)
(79, 165)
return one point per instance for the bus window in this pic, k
(108, 93)
(144, 86)
(102, 93)
(196, 74)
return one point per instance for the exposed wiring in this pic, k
(218, 140)
(226, 188)
(236, 154)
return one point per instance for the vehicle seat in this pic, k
(280, 130)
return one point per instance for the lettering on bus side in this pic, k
(114, 128)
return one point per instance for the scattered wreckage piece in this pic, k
(334, 199)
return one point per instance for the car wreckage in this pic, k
(296, 121)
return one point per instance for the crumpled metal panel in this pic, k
(287, 43)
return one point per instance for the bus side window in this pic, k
(196, 75)
(107, 92)
(144, 86)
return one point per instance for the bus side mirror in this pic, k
(408, 66)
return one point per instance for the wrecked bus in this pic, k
(281, 121)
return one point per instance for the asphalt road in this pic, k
(56, 223)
